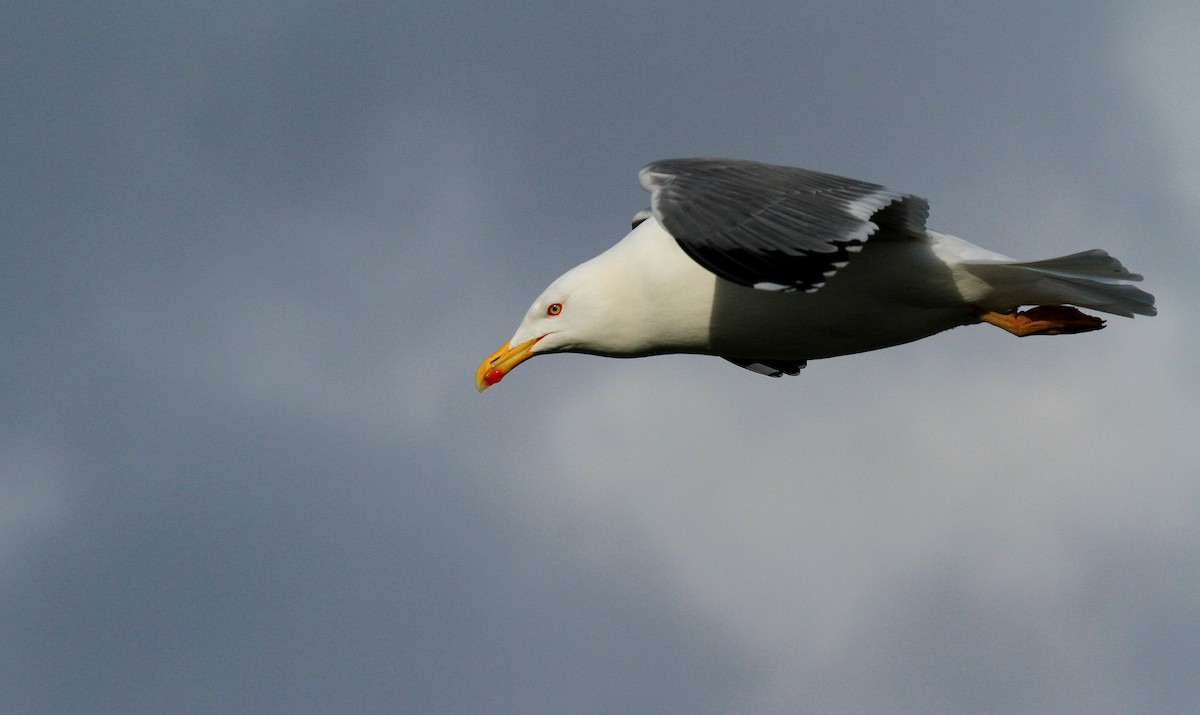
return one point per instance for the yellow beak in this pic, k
(500, 362)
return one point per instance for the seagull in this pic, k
(771, 266)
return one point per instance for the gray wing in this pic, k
(774, 227)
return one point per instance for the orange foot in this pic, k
(1043, 320)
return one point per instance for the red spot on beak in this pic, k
(501, 362)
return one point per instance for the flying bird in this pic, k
(772, 266)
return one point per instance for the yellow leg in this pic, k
(1043, 320)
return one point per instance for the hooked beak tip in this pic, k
(500, 362)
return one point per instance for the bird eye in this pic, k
(554, 309)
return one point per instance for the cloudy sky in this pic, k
(250, 256)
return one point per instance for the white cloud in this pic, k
(817, 494)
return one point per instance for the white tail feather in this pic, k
(1090, 279)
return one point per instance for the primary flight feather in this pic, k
(771, 266)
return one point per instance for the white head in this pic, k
(584, 311)
(641, 297)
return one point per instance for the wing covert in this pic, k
(773, 227)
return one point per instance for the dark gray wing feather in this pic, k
(771, 368)
(774, 227)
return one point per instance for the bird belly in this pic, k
(805, 334)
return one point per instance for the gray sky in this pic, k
(251, 258)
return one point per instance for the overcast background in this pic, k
(252, 254)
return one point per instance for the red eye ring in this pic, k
(554, 309)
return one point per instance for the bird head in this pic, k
(571, 315)
(643, 296)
